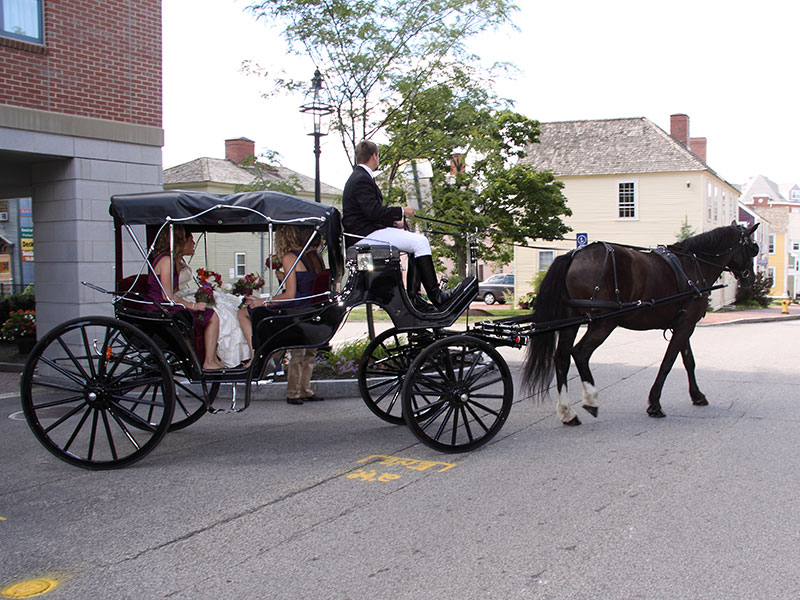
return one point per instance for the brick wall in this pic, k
(101, 58)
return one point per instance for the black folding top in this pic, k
(249, 211)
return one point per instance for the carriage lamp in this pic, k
(319, 111)
(364, 261)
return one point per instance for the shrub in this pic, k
(20, 323)
(344, 360)
(757, 294)
(23, 301)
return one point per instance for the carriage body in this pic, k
(101, 392)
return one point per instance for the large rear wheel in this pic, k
(97, 393)
(457, 394)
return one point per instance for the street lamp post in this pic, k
(319, 111)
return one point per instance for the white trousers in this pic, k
(406, 241)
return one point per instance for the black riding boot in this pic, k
(427, 274)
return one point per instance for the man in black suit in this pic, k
(365, 216)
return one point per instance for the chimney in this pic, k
(679, 128)
(698, 146)
(239, 148)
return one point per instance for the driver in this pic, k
(365, 216)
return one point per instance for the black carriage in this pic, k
(100, 392)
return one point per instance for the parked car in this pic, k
(492, 289)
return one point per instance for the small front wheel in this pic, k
(457, 394)
(97, 393)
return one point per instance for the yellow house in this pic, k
(235, 255)
(628, 181)
(780, 204)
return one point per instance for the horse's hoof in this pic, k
(573, 422)
(700, 401)
(592, 410)
(656, 414)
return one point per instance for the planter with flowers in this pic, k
(20, 327)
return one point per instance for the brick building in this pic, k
(80, 120)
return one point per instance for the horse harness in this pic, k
(685, 284)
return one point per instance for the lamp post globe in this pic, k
(319, 112)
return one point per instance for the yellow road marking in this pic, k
(29, 589)
(364, 474)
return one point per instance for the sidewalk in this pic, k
(12, 362)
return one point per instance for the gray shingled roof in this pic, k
(609, 147)
(222, 170)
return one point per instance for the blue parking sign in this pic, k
(581, 239)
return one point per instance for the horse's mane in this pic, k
(714, 240)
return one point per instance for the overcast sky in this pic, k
(730, 65)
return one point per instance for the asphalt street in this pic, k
(327, 501)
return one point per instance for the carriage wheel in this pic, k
(190, 403)
(383, 367)
(457, 394)
(97, 393)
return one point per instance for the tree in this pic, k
(368, 49)
(686, 230)
(508, 201)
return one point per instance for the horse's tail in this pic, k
(537, 370)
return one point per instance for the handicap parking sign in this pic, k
(581, 239)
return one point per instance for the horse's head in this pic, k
(741, 262)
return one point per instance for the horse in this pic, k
(612, 285)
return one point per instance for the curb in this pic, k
(327, 388)
(744, 320)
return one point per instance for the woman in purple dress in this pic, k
(161, 289)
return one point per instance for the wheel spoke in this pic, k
(444, 422)
(73, 358)
(77, 429)
(68, 374)
(59, 402)
(138, 421)
(87, 347)
(67, 416)
(110, 437)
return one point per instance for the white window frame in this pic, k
(542, 254)
(795, 195)
(771, 243)
(240, 263)
(627, 205)
(771, 275)
(21, 12)
(708, 200)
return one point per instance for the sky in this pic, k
(731, 66)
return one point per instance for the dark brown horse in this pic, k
(608, 279)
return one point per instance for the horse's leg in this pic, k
(679, 341)
(698, 398)
(596, 334)
(566, 337)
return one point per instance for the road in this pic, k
(302, 502)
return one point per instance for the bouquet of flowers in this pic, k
(213, 277)
(205, 293)
(20, 323)
(207, 281)
(274, 262)
(246, 285)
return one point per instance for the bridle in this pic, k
(750, 248)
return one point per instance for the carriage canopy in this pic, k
(248, 211)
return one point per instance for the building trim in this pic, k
(30, 119)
